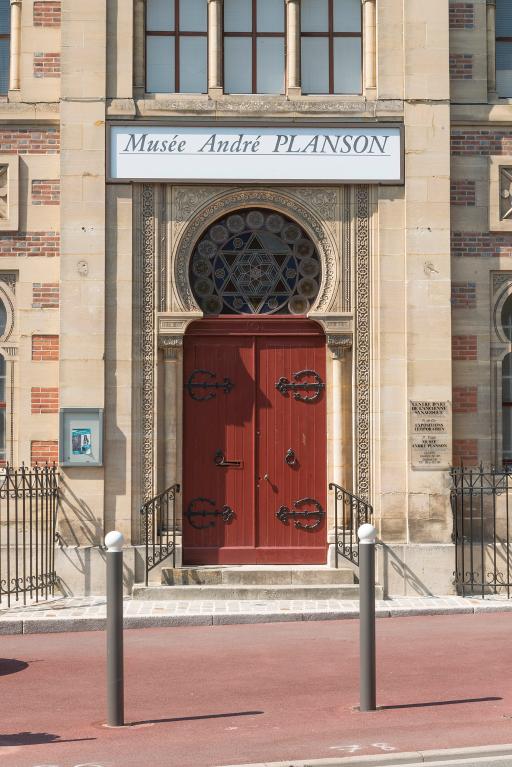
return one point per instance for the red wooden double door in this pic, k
(254, 453)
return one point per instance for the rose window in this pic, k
(255, 262)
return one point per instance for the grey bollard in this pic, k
(115, 661)
(367, 659)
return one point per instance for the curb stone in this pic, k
(480, 756)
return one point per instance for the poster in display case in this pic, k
(81, 437)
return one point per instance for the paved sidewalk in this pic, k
(89, 613)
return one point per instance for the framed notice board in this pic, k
(81, 436)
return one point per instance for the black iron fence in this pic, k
(28, 517)
(350, 512)
(481, 506)
(158, 528)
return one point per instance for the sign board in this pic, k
(249, 154)
(430, 425)
(81, 437)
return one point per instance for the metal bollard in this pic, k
(115, 662)
(367, 660)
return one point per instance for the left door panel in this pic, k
(218, 430)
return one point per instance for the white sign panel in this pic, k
(256, 154)
(430, 434)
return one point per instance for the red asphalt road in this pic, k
(205, 696)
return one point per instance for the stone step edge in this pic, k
(479, 755)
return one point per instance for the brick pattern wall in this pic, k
(30, 141)
(30, 244)
(465, 399)
(483, 244)
(465, 451)
(481, 142)
(462, 16)
(45, 348)
(44, 451)
(464, 295)
(461, 66)
(47, 13)
(46, 65)
(45, 192)
(45, 295)
(44, 400)
(463, 193)
(464, 348)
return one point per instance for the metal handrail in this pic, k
(158, 528)
(355, 512)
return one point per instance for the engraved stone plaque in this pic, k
(430, 434)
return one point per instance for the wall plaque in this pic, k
(430, 434)
(290, 154)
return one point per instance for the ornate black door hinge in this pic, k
(193, 384)
(315, 386)
(284, 514)
(226, 513)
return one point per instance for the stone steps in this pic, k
(255, 576)
(243, 592)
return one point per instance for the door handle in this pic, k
(220, 460)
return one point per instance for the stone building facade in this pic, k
(95, 276)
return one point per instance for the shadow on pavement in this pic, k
(195, 718)
(34, 739)
(11, 666)
(440, 703)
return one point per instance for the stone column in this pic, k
(171, 346)
(491, 50)
(293, 79)
(139, 32)
(338, 345)
(215, 59)
(369, 47)
(14, 72)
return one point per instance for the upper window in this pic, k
(5, 43)
(504, 48)
(331, 46)
(254, 35)
(176, 46)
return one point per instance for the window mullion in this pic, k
(177, 46)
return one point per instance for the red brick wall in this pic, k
(465, 399)
(464, 347)
(45, 295)
(47, 13)
(46, 64)
(44, 451)
(464, 295)
(45, 348)
(44, 400)
(462, 16)
(45, 192)
(30, 244)
(465, 451)
(461, 66)
(481, 141)
(484, 244)
(30, 141)
(463, 193)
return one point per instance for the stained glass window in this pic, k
(255, 262)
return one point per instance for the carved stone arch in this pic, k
(282, 202)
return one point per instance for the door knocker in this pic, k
(290, 458)
(315, 386)
(284, 514)
(226, 513)
(194, 383)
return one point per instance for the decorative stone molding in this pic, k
(171, 346)
(9, 193)
(14, 64)
(289, 203)
(147, 340)
(362, 343)
(338, 345)
(500, 193)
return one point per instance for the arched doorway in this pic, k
(254, 452)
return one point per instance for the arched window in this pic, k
(3, 318)
(506, 404)
(504, 48)
(5, 44)
(255, 262)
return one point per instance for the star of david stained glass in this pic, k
(255, 262)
